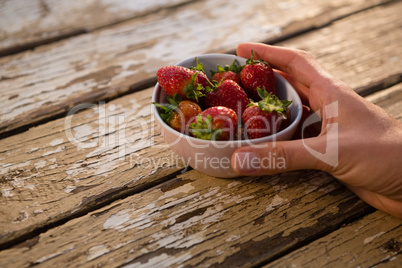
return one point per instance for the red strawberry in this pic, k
(264, 118)
(229, 94)
(227, 72)
(202, 77)
(179, 80)
(202, 80)
(215, 123)
(286, 121)
(179, 114)
(257, 74)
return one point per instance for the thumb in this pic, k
(281, 156)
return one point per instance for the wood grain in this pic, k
(26, 24)
(47, 168)
(389, 99)
(362, 50)
(197, 221)
(65, 167)
(51, 79)
(374, 241)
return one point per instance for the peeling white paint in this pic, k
(238, 199)
(190, 240)
(57, 150)
(307, 188)
(5, 165)
(358, 228)
(9, 167)
(186, 188)
(17, 182)
(30, 187)
(83, 132)
(233, 184)
(112, 142)
(56, 142)
(232, 238)
(117, 221)
(53, 255)
(23, 216)
(371, 238)
(70, 188)
(40, 164)
(6, 192)
(276, 201)
(213, 214)
(97, 251)
(54, 166)
(132, 218)
(38, 211)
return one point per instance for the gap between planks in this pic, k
(389, 99)
(85, 27)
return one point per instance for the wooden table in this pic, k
(87, 180)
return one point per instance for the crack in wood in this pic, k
(90, 204)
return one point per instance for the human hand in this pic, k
(359, 143)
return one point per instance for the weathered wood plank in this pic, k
(373, 241)
(47, 167)
(197, 221)
(24, 24)
(389, 100)
(353, 40)
(64, 167)
(50, 80)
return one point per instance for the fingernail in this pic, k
(246, 162)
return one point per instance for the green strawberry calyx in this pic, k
(198, 67)
(271, 103)
(202, 128)
(194, 90)
(252, 61)
(167, 110)
(234, 67)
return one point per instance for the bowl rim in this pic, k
(157, 90)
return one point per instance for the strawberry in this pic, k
(229, 94)
(227, 72)
(287, 120)
(215, 123)
(202, 77)
(264, 118)
(257, 74)
(179, 80)
(179, 114)
(203, 80)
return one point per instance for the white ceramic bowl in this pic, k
(213, 157)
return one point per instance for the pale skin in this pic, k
(368, 140)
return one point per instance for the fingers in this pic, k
(279, 157)
(298, 63)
